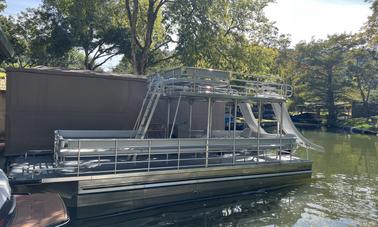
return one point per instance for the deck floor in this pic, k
(42, 166)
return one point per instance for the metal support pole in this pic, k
(208, 131)
(211, 119)
(291, 154)
(278, 126)
(281, 124)
(78, 158)
(149, 156)
(174, 118)
(115, 155)
(229, 120)
(234, 137)
(190, 117)
(259, 129)
(168, 116)
(179, 153)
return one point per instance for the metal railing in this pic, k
(100, 156)
(234, 87)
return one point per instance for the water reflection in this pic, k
(343, 192)
(225, 211)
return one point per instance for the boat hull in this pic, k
(109, 194)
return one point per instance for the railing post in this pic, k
(281, 126)
(190, 117)
(149, 156)
(234, 137)
(208, 131)
(229, 120)
(168, 116)
(291, 154)
(78, 157)
(259, 129)
(174, 118)
(179, 153)
(115, 155)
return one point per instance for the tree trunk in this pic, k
(139, 53)
(364, 98)
(133, 17)
(332, 115)
(86, 60)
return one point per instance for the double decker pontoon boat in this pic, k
(139, 168)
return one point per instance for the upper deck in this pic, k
(201, 83)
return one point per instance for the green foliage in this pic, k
(321, 64)
(371, 28)
(89, 23)
(230, 35)
(36, 40)
(3, 5)
(147, 35)
(363, 70)
(370, 123)
(125, 65)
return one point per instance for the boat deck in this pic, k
(38, 167)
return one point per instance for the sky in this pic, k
(15, 6)
(307, 19)
(302, 19)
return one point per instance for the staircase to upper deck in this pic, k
(148, 107)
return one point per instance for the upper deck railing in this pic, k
(190, 80)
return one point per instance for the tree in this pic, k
(230, 35)
(38, 40)
(371, 27)
(143, 17)
(321, 63)
(3, 5)
(156, 63)
(91, 27)
(363, 69)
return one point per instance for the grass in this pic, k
(369, 123)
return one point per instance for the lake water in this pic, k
(343, 191)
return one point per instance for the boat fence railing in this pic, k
(197, 80)
(99, 156)
(233, 88)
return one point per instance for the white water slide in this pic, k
(288, 125)
(249, 118)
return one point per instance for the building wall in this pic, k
(40, 101)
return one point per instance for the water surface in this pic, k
(343, 192)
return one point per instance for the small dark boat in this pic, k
(42, 209)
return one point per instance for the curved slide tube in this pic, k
(249, 118)
(289, 128)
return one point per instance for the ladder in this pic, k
(147, 110)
